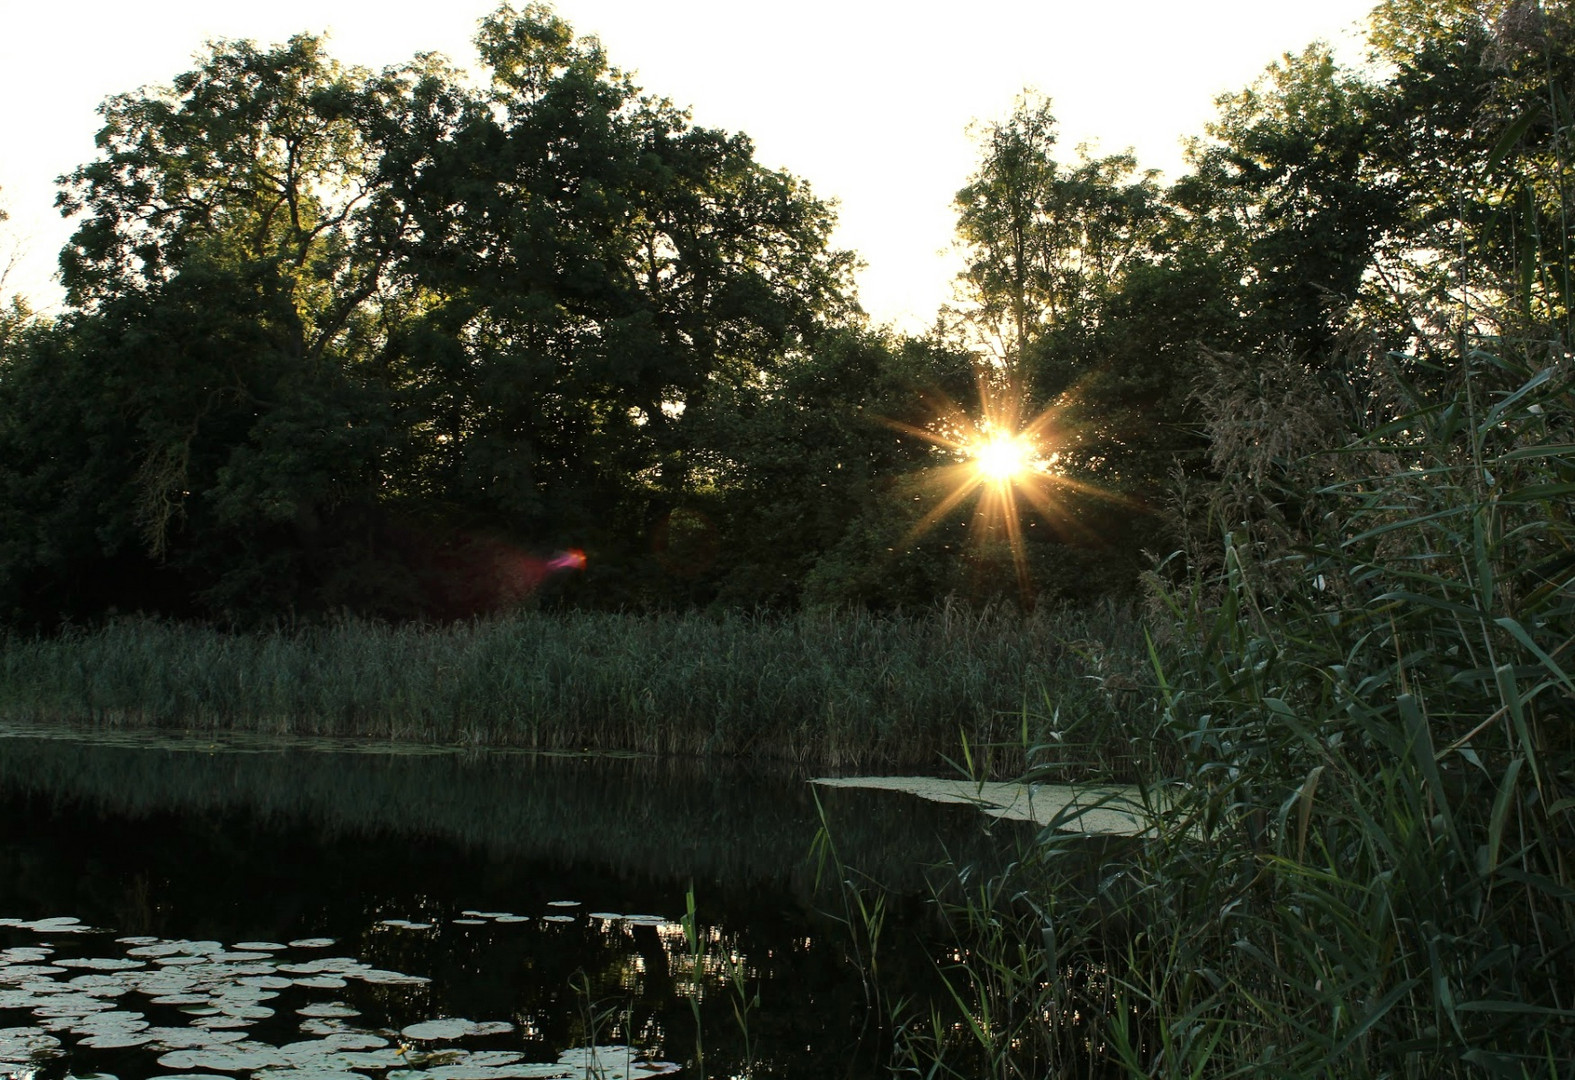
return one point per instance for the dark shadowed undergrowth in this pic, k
(824, 690)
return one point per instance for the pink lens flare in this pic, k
(573, 559)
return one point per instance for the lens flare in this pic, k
(573, 559)
(1004, 459)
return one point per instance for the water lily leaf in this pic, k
(613, 1063)
(19, 972)
(469, 922)
(311, 943)
(259, 946)
(322, 982)
(112, 1040)
(158, 948)
(18, 1045)
(239, 1058)
(26, 954)
(387, 978)
(64, 924)
(327, 1008)
(186, 1038)
(563, 903)
(450, 1028)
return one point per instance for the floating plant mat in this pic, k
(1112, 811)
(270, 1010)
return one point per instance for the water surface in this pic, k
(180, 907)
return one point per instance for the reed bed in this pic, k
(828, 690)
(1362, 862)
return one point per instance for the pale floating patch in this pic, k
(116, 1040)
(486, 914)
(512, 919)
(404, 924)
(180, 999)
(136, 939)
(613, 1063)
(26, 954)
(557, 918)
(219, 1023)
(451, 1028)
(378, 977)
(110, 1023)
(63, 924)
(19, 972)
(563, 903)
(469, 922)
(1114, 811)
(645, 920)
(266, 982)
(185, 1038)
(328, 965)
(71, 1004)
(101, 985)
(437, 1029)
(182, 960)
(156, 948)
(19, 1045)
(328, 1008)
(242, 1011)
(311, 943)
(314, 1026)
(238, 956)
(322, 982)
(373, 1059)
(260, 946)
(493, 1058)
(247, 1057)
(307, 1072)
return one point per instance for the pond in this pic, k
(175, 906)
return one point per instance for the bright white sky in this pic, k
(870, 102)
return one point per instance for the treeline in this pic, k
(385, 342)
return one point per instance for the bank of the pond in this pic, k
(832, 690)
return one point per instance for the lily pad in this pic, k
(311, 943)
(454, 1028)
(18, 1045)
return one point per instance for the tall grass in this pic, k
(826, 690)
(1362, 857)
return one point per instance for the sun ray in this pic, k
(1009, 464)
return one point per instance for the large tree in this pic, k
(338, 338)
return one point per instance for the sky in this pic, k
(872, 103)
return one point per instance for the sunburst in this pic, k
(1010, 463)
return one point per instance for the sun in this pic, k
(1010, 463)
(1002, 458)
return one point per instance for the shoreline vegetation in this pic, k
(820, 691)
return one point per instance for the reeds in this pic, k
(826, 690)
(1362, 858)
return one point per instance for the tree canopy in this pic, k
(388, 341)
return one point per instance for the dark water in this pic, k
(307, 913)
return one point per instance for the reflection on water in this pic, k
(385, 916)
